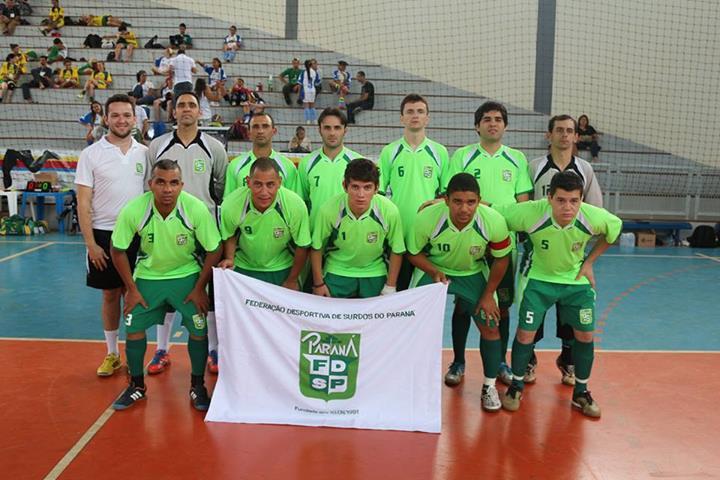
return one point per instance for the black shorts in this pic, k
(109, 278)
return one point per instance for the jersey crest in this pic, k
(278, 232)
(427, 171)
(372, 237)
(199, 165)
(507, 175)
(181, 239)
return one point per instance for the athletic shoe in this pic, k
(490, 398)
(567, 371)
(530, 376)
(109, 365)
(81, 95)
(455, 374)
(128, 398)
(511, 400)
(199, 398)
(585, 403)
(214, 104)
(212, 363)
(160, 360)
(505, 374)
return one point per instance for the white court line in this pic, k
(39, 241)
(29, 250)
(635, 255)
(708, 257)
(64, 462)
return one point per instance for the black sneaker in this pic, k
(511, 400)
(199, 398)
(567, 371)
(455, 373)
(128, 398)
(585, 403)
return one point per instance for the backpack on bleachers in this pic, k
(703, 237)
(93, 41)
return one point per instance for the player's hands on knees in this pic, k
(322, 291)
(292, 284)
(489, 307)
(98, 257)
(586, 270)
(133, 298)
(227, 263)
(199, 297)
(440, 277)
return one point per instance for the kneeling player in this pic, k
(447, 243)
(171, 224)
(559, 228)
(355, 231)
(265, 228)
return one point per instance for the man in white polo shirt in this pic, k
(182, 67)
(109, 174)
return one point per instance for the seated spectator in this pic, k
(142, 125)
(93, 121)
(144, 91)
(41, 78)
(125, 39)
(88, 68)
(165, 101)
(250, 101)
(231, 44)
(299, 143)
(181, 38)
(215, 71)
(55, 20)
(9, 75)
(22, 57)
(58, 52)
(68, 76)
(206, 95)
(101, 21)
(162, 64)
(367, 97)
(100, 80)
(588, 137)
(9, 17)
(341, 79)
(289, 78)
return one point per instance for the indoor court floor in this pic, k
(654, 377)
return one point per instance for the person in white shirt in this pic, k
(307, 81)
(182, 68)
(231, 44)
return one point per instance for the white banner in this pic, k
(291, 358)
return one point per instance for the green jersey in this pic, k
(320, 178)
(411, 177)
(239, 170)
(292, 75)
(501, 177)
(459, 252)
(168, 246)
(558, 252)
(266, 240)
(356, 247)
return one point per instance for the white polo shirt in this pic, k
(115, 178)
(182, 68)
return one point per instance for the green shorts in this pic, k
(276, 278)
(467, 290)
(354, 287)
(104, 20)
(163, 296)
(575, 304)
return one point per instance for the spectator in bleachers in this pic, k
(9, 75)
(144, 91)
(100, 80)
(289, 78)
(299, 143)
(307, 81)
(9, 17)
(88, 68)
(182, 38)
(182, 68)
(588, 137)
(208, 98)
(58, 52)
(93, 121)
(41, 78)
(318, 79)
(142, 125)
(165, 101)
(125, 39)
(250, 101)
(367, 97)
(341, 79)
(162, 64)
(55, 20)
(215, 72)
(231, 44)
(22, 57)
(68, 76)
(101, 21)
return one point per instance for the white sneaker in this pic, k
(490, 398)
(214, 104)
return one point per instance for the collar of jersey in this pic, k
(339, 155)
(552, 161)
(105, 144)
(176, 137)
(351, 214)
(170, 216)
(556, 225)
(422, 145)
(485, 153)
(268, 209)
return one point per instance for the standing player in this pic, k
(109, 174)
(448, 242)
(354, 232)
(171, 224)
(321, 173)
(559, 274)
(262, 131)
(413, 168)
(502, 174)
(265, 228)
(204, 160)
(563, 135)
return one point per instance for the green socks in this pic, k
(198, 350)
(491, 356)
(135, 352)
(583, 359)
(520, 358)
(504, 327)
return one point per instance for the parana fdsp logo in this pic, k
(329, 364)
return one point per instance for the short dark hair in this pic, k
(122, 27)
(186, 93)
(332, 112)
(463, 182)
(413, 98)
(361, 73)
(491, 106)
(561, 118)
(362, 170)
(300, 128)
(264, 164)
(9, 57)
(263, 114)
(118, 98)
(43, 56)
(166, 164)
(182, 25)
(233, 27)
(139, 74)
(343, 63)
(57, 40)
(568, 181)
